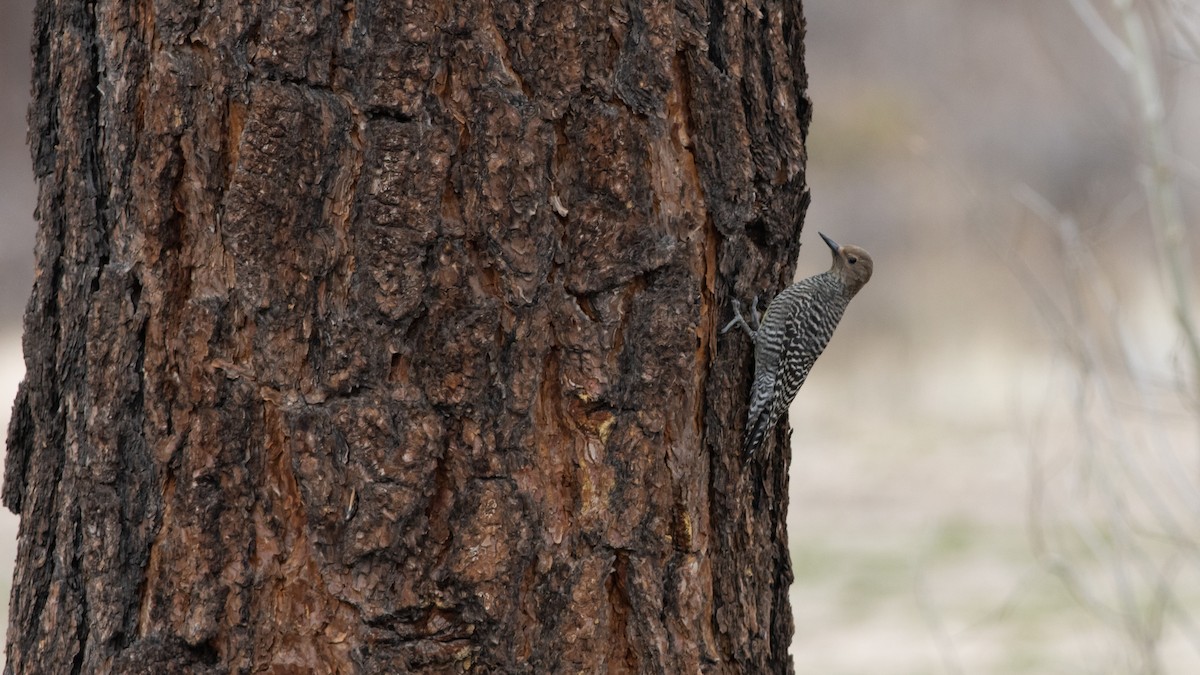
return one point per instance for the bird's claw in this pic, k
(737, 317)
(738, 320)
(755, 315)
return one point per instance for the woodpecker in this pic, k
(792, 333)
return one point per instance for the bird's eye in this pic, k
(851, 260)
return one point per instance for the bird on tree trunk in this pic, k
(793, 332)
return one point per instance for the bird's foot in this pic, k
(755, 315)
(738, 320)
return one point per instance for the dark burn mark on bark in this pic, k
(621, 656)
(716, 34)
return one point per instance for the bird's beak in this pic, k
(832, 244)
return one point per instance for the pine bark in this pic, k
(380, 336)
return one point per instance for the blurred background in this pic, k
(997, 462)
(18, 197)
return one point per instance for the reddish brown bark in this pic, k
(379, 336)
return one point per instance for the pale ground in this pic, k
(910, 508)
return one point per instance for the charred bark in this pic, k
(376, 336)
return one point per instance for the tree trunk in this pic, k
(380, 336)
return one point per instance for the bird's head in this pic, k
(851, 264)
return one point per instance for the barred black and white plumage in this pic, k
(792, 334)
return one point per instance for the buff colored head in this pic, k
(851, 264)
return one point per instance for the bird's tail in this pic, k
(756, 433)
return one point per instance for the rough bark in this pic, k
(380, 336)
